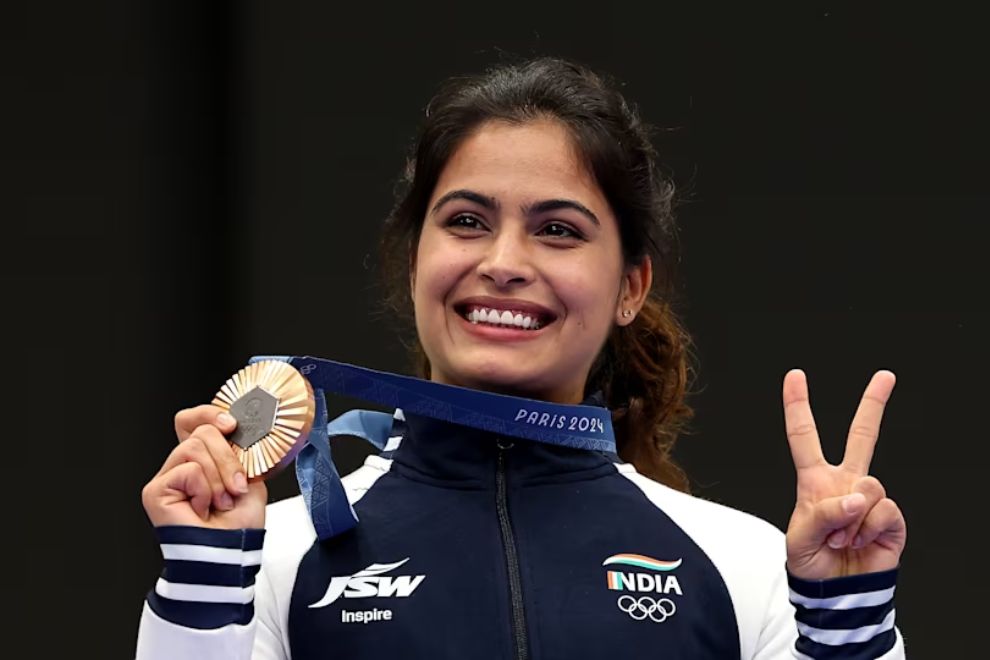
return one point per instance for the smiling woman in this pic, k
(559, 265)
(540, 184)
(533, 247)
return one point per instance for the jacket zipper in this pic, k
(511, 556)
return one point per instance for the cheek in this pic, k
(589, 293)
(437, 272)
(595, 308)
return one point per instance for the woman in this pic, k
(527, 239)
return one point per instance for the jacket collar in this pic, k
(459, 456)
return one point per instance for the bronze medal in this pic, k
(274, 407)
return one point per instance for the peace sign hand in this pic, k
(843, 522)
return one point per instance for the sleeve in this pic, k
(849, 617)
(203, 606)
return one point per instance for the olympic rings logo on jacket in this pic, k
(640, 608)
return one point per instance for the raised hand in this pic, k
(201, 482)
(843, 522)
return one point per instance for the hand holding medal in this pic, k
(257, 424)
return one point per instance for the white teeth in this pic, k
(504, 318)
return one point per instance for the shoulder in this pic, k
(720, 530)
(360, 481)
(748, 552)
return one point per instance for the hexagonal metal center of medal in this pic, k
(255, 415)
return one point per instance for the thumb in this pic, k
(248, 511)
(249, 508)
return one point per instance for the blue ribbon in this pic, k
(576, 426)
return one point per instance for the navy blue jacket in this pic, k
(476, 546)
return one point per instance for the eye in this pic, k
(465, 221)
(560, 230)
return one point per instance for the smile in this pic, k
(503, 318)
(509, 318)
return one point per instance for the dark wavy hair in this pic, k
(643, 369)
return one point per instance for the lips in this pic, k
(505, 311)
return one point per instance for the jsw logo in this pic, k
(366, 584)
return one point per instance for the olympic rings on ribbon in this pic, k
(644, 606)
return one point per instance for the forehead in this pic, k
(537, 159)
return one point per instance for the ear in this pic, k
(633, 290)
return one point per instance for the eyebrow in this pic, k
(557, 204)
(489, 203)
(492, 204)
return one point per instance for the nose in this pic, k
(507, 262)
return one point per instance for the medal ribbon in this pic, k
(575, 426)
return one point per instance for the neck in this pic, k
(571, 395)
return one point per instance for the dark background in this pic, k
(190, 183)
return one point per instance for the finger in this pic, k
(802, 435)
(194, 450)
(883, 520)
(872, 491)
(188, 420)
(831, 516)
(231, 470)
(865, 427)
(189, 481)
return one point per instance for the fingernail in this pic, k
(226, 502)
(225, 419)
(240, 482)
(857, 541)
(852, 503)
(837, 540)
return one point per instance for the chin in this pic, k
(514, 382)
(501, 378)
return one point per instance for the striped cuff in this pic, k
(208, 581)
(848, 617)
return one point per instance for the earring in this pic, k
(626, 313)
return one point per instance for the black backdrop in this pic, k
(162, 160)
